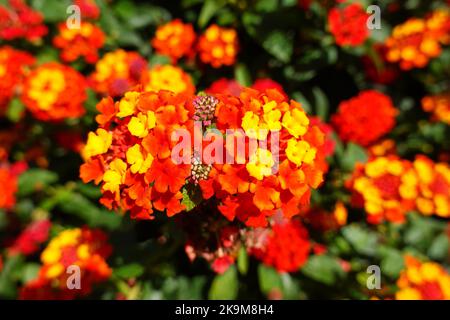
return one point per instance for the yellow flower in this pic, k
(300, 151)
(250, 124)
(260, 164)
(115, 175)
(408, 294)
(127, 105)
(54, 271)
(98, 143)
(136, 159)
(139, 125)
(272, 116)
(296, 122)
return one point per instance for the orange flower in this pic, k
(439, 106)
(174, 39)
(365, 118)
(168, 78)
(129, 154)
(416, 41)
(54, 92)
(117, 72)
(85, 248)
(8, 180)
(79, 42)
(218, 46)
(13, 66)
(423, 281)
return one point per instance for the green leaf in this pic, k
(269, 279)
(321, 103)
(15, 110)
(55, 12)
(132, 270)
(7, 285)
(323, 268)
(439, 247)
(392, 262)
(225, 286)
(192, 197)
(280, 44)
(242, 75)
(30, 272)
(352, 155)
(209, 9)
(242, 261)
(363, 240)
(35, 179)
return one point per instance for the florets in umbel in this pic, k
(199, 170)
(205, 107)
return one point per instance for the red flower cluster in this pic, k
(31, 238)
(13, 64)
(130, 154)
(79, 42)
(218, 46)
(88, 8)
(53, 92)
(20, 21)
(83, 248)
(365, 118)
(225, 86)
(285, 247)
(8, 180)
(349, 25)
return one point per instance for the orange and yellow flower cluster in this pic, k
(175, 40)
(251, 190)
(218, 46)
(365, 118)
(416, 41)
(13, 66)
(84, 248)
(387, 187)
(54, 92)
(169, 78)
(117, 72)
(423, 281)
(130, 153)
(83, 42)
(439, 106)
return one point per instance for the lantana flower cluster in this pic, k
(438, 106)
(415, 42)
(13, 67)
(83, 42)
(217, 46)
(167, 77)
(54, 92)
(349, 24)
(423, 281)
(365, 118)
(84, 248)
(388, 187)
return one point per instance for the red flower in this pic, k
(29, 240)
(348, 25)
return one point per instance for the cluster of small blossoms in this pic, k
(88, 9)
(54, 92)
(169, 78)
(218, 46)
(255, 186)
(388, 187)
(130, 152)
(82, 247)
(285, 246)
(416, 41)
(30, 239)
(439, 106)
(174, 39)
(83, 42)
(365, 118)
(18, 20)
(8, 180)
(349, 24)
(117, 72)
(423, 281)
(13, 65)
(385, 187)
(433, 184)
